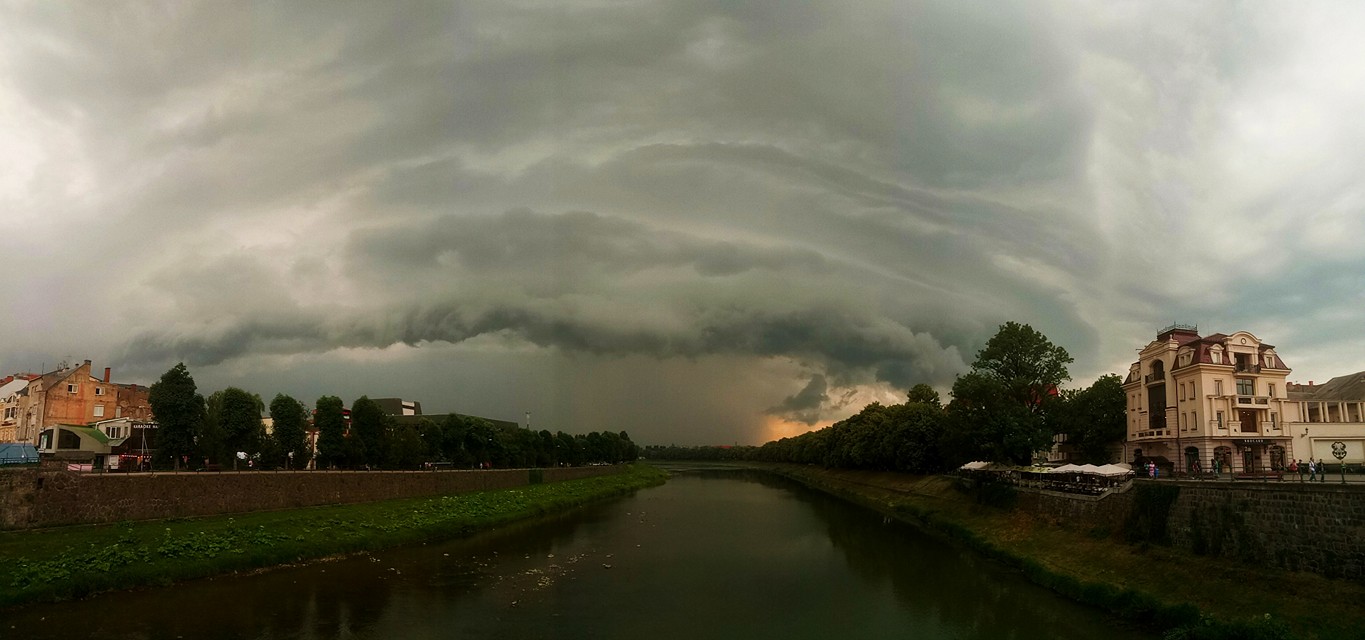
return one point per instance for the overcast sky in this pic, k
(699, 222)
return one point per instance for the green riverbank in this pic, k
(73, 562)
(1186, 596)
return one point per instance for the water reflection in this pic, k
(710, 554)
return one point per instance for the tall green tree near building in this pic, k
(1094, 419)
(330, 421)
(179, 411)
(290, 418)
(1000, 409)
(239, 416)
(367, 427)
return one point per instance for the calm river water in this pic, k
(718, 554)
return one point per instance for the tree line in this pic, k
(1006, 409)
(195, 431)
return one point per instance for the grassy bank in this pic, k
(72, 562)
(1187, 596)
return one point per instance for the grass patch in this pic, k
(73, 562)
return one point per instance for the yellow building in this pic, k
(1200, 400)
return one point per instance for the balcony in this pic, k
(1153, 433)
(1253, 400)
(1246, 367)
(1153, 377)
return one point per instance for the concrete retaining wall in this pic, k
(31, 498)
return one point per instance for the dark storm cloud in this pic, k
(584, 283)
(806, 405)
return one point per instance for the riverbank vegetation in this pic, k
(1186, 596)
(73, 562)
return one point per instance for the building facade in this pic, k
(10, 388)
(1196, 401)
(72, 396)
(1327, 414)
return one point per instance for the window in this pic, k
(1217, 387)
(99, 391)
(1246, 387)
(1272, 420)
(1216, 356)
(71, 388)
(1220, 419)
(1182, 391)
(99, 411)
(1270, 390)
(1184, 421)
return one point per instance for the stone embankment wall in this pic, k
(1079, 512)
(1281, 526)
(1300, 527)
(31, 498)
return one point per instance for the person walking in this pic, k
(1297, 467)
(1312, 469)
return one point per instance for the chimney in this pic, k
(106, 375)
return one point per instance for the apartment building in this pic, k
(1196, 399)
(73, 396)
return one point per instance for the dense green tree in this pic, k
(453, 433)
(290, 420)
(1027, 365)
(212, 444)
(238, 413)
(404, 449)
(432, 440)
(999, 409)
(179, 412)
(1094, 419)
(567, 449)
(330, 422)
(369, 432)
(923, 394)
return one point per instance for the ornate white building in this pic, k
(1217, 397)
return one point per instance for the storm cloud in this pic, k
(696, 221)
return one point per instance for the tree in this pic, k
(1094, 419)
(923, 394)
(212, 442)
(1023, 360)
(369, 432)
(331, 426)
(238, 414)
(179, 411)
(290, 420)
(999, 409)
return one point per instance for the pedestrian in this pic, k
(1294, 467)
(1312, 469)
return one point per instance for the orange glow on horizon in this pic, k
(777, 428)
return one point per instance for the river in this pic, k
(718, 554)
